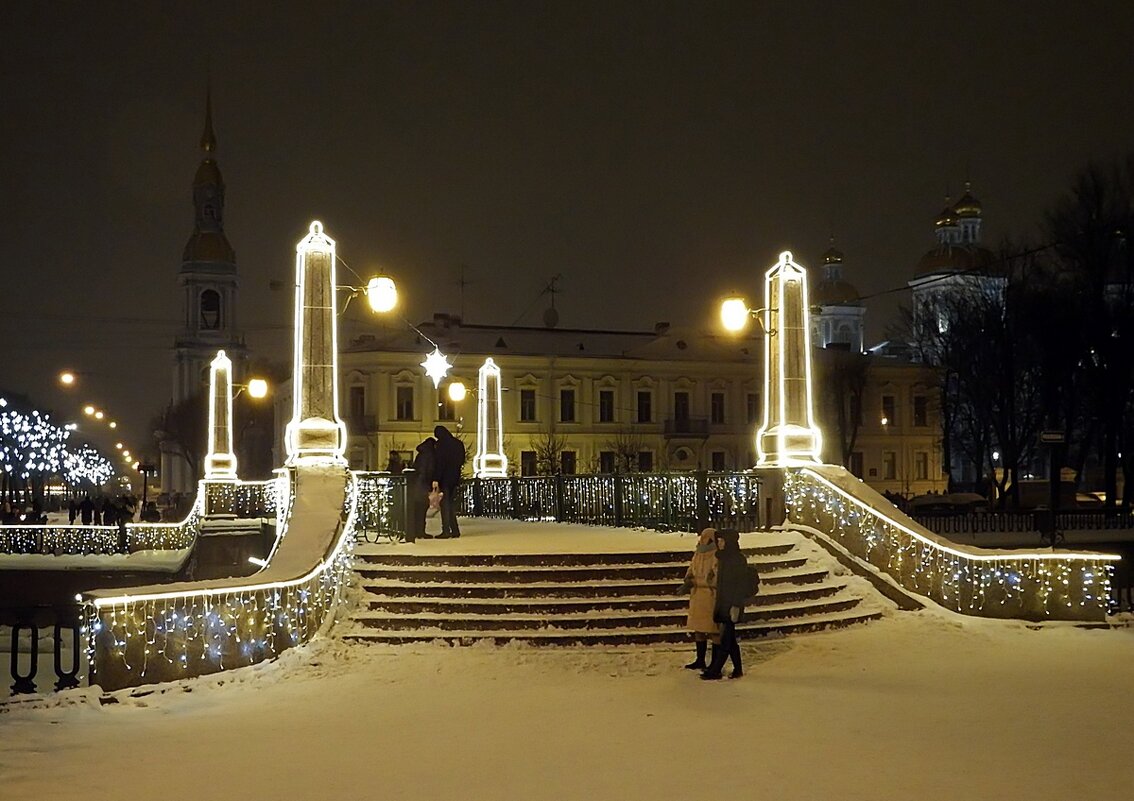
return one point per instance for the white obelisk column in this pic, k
(315, 434)
(220, 461)
(788, 435)
(490, 459)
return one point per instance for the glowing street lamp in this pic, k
(381, 294)
(89, 410)
(457, 392)
(67, 378)
(258, 388)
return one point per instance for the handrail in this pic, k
(167, 632)
(1003, 583)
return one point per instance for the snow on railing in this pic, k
(242, 498)
(1034, 585)
(167, 635)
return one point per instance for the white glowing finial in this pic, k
(436, 366)
(788, 434)
(490, 459)
(315, 433)
(220, 462)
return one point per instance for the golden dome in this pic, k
(967, 206)
(946, 217)
(833, 256)
(948, 259)
(208, 246)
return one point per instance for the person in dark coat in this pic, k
(86, 510)
(450, 460)
(418, 484)
(734, 585)
(72, 511)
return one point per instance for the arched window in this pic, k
(210, 310)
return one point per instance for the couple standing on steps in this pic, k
(436, 468)
(721, 581)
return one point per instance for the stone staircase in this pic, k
(588, 599)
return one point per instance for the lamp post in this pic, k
(147, 469)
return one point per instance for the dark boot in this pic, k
(734, 654)
(699, 662)
(713, 671)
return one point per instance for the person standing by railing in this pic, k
(450, 460)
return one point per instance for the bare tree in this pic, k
(548, 444)
(183, 427)
(626, 444)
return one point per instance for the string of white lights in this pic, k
(1025, 584)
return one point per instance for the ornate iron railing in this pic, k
(243, 498)
(382, 506)
(1016, 522)
(664, 501)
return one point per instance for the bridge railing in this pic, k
(664, 501)
(382, 504)
(1021, 522)
(86, 540)
(163, 633)
(1034, 585)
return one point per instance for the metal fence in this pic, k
(382, 507)
(1011, 522)
(663, 501)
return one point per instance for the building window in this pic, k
(921, 466)
(889, 465)
(920, 410)
(752, 407)
(645, 413)
(567, 462)
(446, 408)
(210, 310)
(646, 461)
(716, 408)
(567, 406)
(404, 406)
(527, 406)
(606, 460)
(527, 463)
(854, 464)
(681, 406)
(356, 403)
(717, 461)
(606, 406)
(889, 411)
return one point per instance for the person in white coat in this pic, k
(701, 583)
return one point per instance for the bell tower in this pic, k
(208, 283)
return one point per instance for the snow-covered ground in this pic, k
(921, 706)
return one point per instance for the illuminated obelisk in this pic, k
(315, 434)
(788, 434)
(220, 461)
(490, 459)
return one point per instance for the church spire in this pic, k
(208, 138)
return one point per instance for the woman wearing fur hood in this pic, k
(701, 583)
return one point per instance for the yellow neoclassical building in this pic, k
(581, 401)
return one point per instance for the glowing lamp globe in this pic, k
(258, 388)
(381, 293)
(457, 392)
(88, 410)
(67, 378)
(734, 314)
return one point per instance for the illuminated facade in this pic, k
(667, 399)
(208, 282)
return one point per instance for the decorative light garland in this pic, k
(161, 636)
(1030, 585)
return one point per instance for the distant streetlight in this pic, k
(258, 388)
(67, 378)
(457, 392)
(88, 410)
(381, 293)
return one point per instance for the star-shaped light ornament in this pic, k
(436, 366)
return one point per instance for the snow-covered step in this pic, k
(598, 637)
(402, 555)
(377, 602)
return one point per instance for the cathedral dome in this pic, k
(947, 259)
(833, 256)
(207, 173)
(946, 217)
(967, 206)
(834, 292)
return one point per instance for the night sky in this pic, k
(655, 155)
